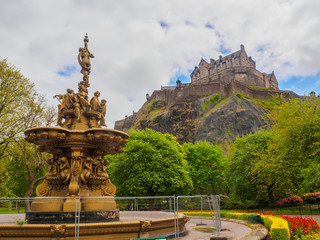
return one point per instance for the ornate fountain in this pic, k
(78, 180)
(78, 146)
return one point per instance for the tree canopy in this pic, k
(21, 107)
(15, 92)
(283, 159)
(247, 152)
(152, 164)
(206, 170)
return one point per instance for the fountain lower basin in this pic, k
(133, 224)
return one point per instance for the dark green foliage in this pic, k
(255, 218)
(152, 164)
(206, 168)
(241, 175)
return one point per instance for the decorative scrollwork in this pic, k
(144, 226)
(43, 189)
(58, 231)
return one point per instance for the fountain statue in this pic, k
(77, 181)
(78, 146)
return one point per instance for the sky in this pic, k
(141, 45)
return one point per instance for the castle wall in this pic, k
(226, 89)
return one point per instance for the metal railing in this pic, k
(26, 202)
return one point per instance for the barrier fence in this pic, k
(16, 208)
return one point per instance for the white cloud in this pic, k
(135, 55)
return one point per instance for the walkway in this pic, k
(230, 229)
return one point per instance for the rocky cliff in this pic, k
(212, 118)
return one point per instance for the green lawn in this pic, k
(13, 210)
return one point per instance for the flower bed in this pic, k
(281, 227)
(299, 226)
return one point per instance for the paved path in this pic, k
(11, 218)
(230, 229)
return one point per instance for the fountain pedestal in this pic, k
(77, 170)
(77, 174)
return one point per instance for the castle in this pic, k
(235, 66)
(233, 74)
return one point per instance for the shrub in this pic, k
(311, 197)
(290, 201)
(279, 228)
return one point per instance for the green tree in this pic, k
(247, 151)
(282, 160)
(297, 140)
(206, 170)
(15, 91)
(152, 164)
(20, 108)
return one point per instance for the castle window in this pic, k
(220, 64)
(232, 59)
(227, 63)
(215, 66)
(219, 75)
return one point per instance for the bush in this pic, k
(311, 197)
(279, 228)
(235, 215)
(290, 201)
(255, 218)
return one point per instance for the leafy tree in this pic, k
(15, 91)
(20, 108)
(241, 174)
(152, 164)
(282, 160)
(297, 140)
(206, 169)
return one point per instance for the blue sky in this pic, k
(142, 45)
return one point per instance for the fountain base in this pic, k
(69, 217)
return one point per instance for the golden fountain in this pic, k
(78, 147)
(77, 181)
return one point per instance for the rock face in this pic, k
(234, 117)
(212, 118)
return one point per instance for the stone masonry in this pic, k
(233, 74)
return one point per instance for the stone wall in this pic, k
(225, 88)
